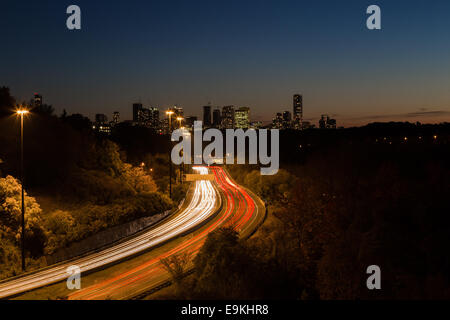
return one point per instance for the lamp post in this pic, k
(170, 113)
(22, 112)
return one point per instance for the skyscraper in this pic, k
(153, 118)
(228, 117)
(137, 109)
(326, 122)
(241, 118)
(37, 100)
(207, 116)
(287, 120)
(216, 118)
(298, 111)
(277, 122)
(116, 117)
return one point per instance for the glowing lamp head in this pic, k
(22, 112)
(169, 112)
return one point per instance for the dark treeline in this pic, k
(343, 200)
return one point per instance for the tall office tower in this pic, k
(137, 109)
(324, 119)
(165, 126)
(153, 118)
(144, 117)
(287, 120)
(326, 122)
(241, 118)
(277, 122)
(228, 117)
(37, 100)
(298, 111)
(101, 118)
(207, 116)
(216, 118)
(116, 117)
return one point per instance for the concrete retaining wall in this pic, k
(105, 238)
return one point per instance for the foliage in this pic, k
(273, 188)
(176, 265)
(60, 226)
(346, 207)
(10, 225)
(223, 266)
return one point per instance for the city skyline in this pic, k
(250, 54)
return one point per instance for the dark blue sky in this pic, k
(252, 53)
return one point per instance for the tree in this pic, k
(44, 109)
(77, 121)
(224, 267)
(176, 265)
(137, 179)
(60, 227)
(11, 216)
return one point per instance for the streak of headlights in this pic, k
(199, 209)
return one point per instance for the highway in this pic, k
(204, 203)
(242, 210)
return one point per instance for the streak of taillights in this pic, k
(151, 268)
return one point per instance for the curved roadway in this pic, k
(242, 210)
(201, 207)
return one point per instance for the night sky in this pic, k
(244, 53)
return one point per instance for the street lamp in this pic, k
(22, 112)
(170, 113)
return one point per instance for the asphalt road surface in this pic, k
(203, 203)
(211, 205)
